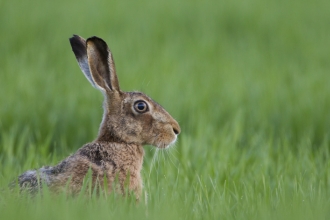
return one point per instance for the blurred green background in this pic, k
(248, 81)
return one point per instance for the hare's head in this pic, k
(129, 117)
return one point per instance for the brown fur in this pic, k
(117, 152)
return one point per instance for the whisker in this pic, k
(154, 158)
(172, 158)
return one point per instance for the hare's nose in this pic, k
(176, 128)
(176, 131)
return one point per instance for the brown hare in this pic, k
(130, 120)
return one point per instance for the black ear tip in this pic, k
(97, 40)
(75, 38)
(94, 38)
(78, 45)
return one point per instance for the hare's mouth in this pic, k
(173, 142)
(163, 141)
(164, 145)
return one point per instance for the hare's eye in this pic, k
(140, 106)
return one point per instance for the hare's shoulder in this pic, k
(96, 153)
(116, 155)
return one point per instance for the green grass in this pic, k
(248, 82)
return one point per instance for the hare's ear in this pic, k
(78, 45)
(101, 65)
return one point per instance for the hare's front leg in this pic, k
(136, 186)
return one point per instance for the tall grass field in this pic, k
(247, 80)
